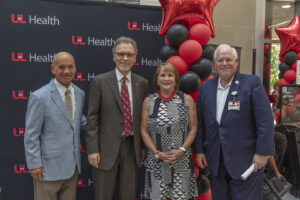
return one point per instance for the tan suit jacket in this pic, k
(105, 117)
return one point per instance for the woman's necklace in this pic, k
(166, 99)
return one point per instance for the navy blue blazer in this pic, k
(241, 133)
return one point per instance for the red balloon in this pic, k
(267, 48)
(194, 21)
(298, 58)
(281, 58)
(290, 75)
(205, 79)
(294, 66)
(166, 41)
(190, 51)
(281, 81)
(205, 196)
(289, 36)
(200, 33)
(186, 11)
(180, 65)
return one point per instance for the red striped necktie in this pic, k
(125, 99)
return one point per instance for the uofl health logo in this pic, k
(18, 132)
(135, 26)
(35, 19)
(32, 57)
(92, 41)
(19, 95)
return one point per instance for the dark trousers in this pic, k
(223, 187)
(125, 169)
(56, 190)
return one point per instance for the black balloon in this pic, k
(281, 75)
(189, 82)
(177, 34)
(208, 52)
(203, 67)
(203, 184)
(290, 57)
(167, 51)
(283, 67)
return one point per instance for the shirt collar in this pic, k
(120, 76)
(62, 89)
(224, 88)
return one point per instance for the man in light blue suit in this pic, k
(52, 135)
(235, 129)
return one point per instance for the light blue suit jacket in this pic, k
(52, 140)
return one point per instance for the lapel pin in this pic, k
(234, 93)
(237, 82)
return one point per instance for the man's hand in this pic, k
(201, 160)
(94, 159)
(259, 161)
(143, 154)
(37, 173)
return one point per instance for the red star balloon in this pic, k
(187, 12)
(289, 36)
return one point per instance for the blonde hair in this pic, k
(166, 67)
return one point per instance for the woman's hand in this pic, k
(170, 156)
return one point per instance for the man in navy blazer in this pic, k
(235, 129)
(52, 135)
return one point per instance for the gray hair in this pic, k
(126, 40)
(226, 46)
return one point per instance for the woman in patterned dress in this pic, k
(168, 128)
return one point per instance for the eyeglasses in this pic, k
(123, 54)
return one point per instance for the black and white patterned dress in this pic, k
(168, 127)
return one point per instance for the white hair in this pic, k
(226, 46)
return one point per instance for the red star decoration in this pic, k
(289, 36)
(187, 12)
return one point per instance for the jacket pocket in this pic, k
(51, 154)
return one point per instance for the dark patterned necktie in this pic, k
(125, 99)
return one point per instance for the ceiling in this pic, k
(276, 15)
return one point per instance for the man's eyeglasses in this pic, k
(122, 54)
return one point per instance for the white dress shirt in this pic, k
(62, 90)
(222, 93)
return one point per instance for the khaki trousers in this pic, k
(56, 190)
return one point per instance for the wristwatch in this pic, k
(156, 155)
(182, 148)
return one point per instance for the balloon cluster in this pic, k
(287, 69)
(289, 54)
(289, 51)
(187, 51)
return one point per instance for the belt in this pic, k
(125, 138)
